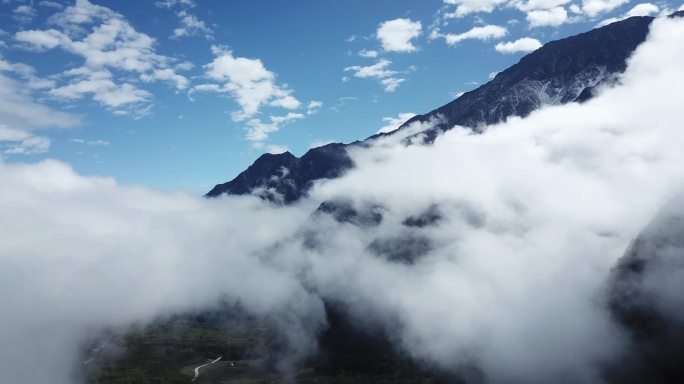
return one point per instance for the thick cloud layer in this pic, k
(488, 251)
(536, 212)
(81, 253)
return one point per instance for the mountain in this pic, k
(285, 177)
(562, 71)
(644, 295)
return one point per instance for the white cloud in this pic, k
(391, 84)
(166, 74)
(547, 17)
(369, 54)
(21, 116)
(319, 143)
(542, 12)
(352, 38)
(27, 73)
(466, 7)
(136, 210)
(24, 13)
(40, 40)
(120, 95)
(258, 130)
(92, 143)
(185, 66)
(593, 8)
(289, 117)
(20, 111)
(248, 81)
(598, 161)
(81, 12)
(643, 9)
(397, 35)
(173, 3)
(20, 142)
(377, 70)
(287, 102)
(190, 25)
(486, 32)
(392, 123)
(50, 4)
(380, 71)
(29, 146)
(11, 134)
(101, 86)
(531, 5)
(525, 44)
(343, 102)
(106, 42)
(313, 107)
(492, 75)
(24, 10)
(277, 149)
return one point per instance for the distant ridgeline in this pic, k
(560, 72)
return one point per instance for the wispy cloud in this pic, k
(111, 45)
(643, 9)
(253, 87)
(484, 33)
(525, 44)
(392, 123)
(379, 71)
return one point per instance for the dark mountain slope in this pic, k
(645, 296)
(285, 177)
(561, 71)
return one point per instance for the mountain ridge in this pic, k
(561, 71)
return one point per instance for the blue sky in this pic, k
(187, 93)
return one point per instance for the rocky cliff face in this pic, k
(562, 71)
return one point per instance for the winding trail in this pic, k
(197, 370)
